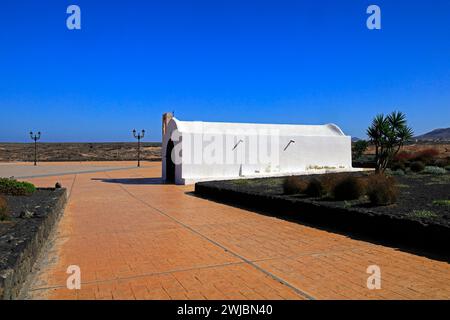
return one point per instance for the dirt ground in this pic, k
(443, 148)
(79, 151)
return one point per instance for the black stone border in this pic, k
(12, 280)
(404, 234)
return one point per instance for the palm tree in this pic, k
(388, 134)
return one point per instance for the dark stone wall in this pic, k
(21, 263)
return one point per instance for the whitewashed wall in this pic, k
(330, 148)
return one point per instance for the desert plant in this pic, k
(358, 148)
(349, 188)
(398, 165)
(381, 190)
(240, 182)
(329, 181)
(426, 156)
(417, 166)
(442, 163)
(444, 203)
(403, 156)
(13, 187)
(323, 184)
(388, 134)
(315, 188)
(3, 209)
(434, 170)
(423, 214)
(398, 172)
(294, 185)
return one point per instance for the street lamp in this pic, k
(35, 137)
(139, 136)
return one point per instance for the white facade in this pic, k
(199, 151)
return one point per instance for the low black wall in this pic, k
(12, 278)
(408, 234)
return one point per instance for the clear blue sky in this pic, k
(306, 62)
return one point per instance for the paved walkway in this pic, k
(135, 238)
(24, 170)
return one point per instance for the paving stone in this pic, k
(137, 240)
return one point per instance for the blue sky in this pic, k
(307, 62)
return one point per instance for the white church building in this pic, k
(195, 151)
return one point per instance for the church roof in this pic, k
(247, 128)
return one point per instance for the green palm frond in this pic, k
(388, 134)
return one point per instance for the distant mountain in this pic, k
(437, 134)
(355, 139)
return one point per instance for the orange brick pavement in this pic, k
(135, 238)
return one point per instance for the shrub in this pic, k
(349, 188)
(16, 188)
(398, 172)
(294, 185)
(444, 203)
(238, 182)
(3, 209)
(315, 188)
(381, 190)
(427, 155)
(403, 156)
(442, 163)
(423, 214)
(324, 184)
(398, 165)
(358, 148)
(329, 181)
(447, 168)
(434, 170)
(417, 166)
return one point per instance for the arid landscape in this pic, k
(442, 148)
(121, 151)
(125, 151)
(225, 156)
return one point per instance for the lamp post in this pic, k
(139, 136)
(35, 137)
